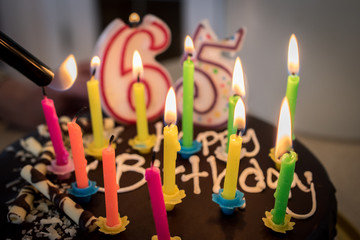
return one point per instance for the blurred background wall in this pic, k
(328, 33)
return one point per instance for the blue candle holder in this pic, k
(83, 195)
(227, 206)
(186, 152)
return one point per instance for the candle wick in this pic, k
(81, 111)
(111, 140)
(138, 78)
(153, 158)
(240, 132)
(43, 91)
(93, 72)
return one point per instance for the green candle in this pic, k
(188, 95)
(283, 187)
(238, 88)
(293, 79)
(230, 127)
(291, 94)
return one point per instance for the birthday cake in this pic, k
(40, 199)
(312, 203)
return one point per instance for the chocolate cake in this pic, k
(312, 203)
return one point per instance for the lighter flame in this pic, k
(170, 107)
(137, 65)
(238, 84)
(240, 115)
(67, 73)
(293, 56)
(189, 45)
(283, 138)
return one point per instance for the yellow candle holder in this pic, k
(155, 237)
(172, 199)
(143, 146)
(277, 161)
(92, 150)
(287, 226)
(103, 227)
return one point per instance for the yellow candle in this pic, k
(139, 94)
(95, 107)
(171, 144)
(232, 167)
(140, 107)
(171, 147)
(233, 159)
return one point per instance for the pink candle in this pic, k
(152, 176)
(52, 122)
(110, 185)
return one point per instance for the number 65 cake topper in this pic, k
(213, 75)
(115, 47)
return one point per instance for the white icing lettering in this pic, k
(308, 176)
(250, 135)
(204, 138)
(137, 167)
(216, 179)
(194, 160)
(259, 177)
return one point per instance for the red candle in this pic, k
(152, 176)
(52, 122)
(110, 186)
(77, 149)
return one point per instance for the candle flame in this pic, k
(238, 83)
(170, 107)
(134, 18)
(293, 56)
(137, 65)
(95, 63)
(283, 138)
(189, 45)
(240, 115)
(67, 74)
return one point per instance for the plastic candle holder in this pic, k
(172, 199)
(277, 161)
(186, 152)
(83, 195)
(143, 146)
(95, 151)
(228, 206)
(62, 171)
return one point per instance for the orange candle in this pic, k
(77, 149)
(110, 185)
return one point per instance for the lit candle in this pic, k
(110, 186)
(152, 176)
(293, 78)
(283, 145)
(171, 143)
(68, 71)
(77, 150)
(233, 159)
(95, 106)
(188, 94)
(238, 88)
(139, 93)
